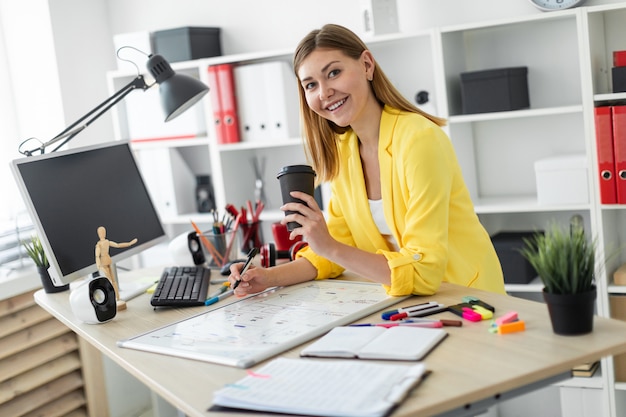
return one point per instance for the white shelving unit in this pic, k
(568, 55)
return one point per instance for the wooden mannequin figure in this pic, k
(104, 264)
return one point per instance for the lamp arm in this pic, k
(69, 132)
(74, 129)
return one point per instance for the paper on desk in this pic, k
(130, 290)
(322, 388)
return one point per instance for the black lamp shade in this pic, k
(178, 91)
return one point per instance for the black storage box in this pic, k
(516, 269)
(495, 90)
(619, 79)
(187, 43)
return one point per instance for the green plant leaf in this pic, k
(35, 251)
(564, 260)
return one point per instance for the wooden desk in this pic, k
(472, 368)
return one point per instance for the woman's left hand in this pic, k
(313, 224)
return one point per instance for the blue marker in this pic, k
(220, 297)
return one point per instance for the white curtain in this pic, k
(30, 105)
(10, 202)
(30, 98)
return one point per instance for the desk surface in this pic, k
(471, 365)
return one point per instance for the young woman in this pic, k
(399, 213)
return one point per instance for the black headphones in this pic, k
(269, 254)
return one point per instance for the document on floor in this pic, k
(322, 388)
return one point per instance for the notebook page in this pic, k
(342, 342)
(403, 343)
(319, 388)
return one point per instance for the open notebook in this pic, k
(395, 343)
(322, 388)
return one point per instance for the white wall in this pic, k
(83, 32)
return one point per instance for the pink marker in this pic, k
(471, 315)
(509, 317)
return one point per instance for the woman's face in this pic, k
(336, 86)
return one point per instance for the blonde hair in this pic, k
(319, 133)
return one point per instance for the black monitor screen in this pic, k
(70, 194)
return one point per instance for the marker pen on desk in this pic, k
(428, 324)
(222, 290)
(386, 315)
(418, 313)
(445, 322)
(251, 256)
(219, 297)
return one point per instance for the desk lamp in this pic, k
(178, 93)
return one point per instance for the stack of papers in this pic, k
(319, 388)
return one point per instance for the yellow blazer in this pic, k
(427, 207)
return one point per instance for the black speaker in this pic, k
(94, 301)
(193, 243)
(205, 197)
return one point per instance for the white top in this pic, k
(378, 214)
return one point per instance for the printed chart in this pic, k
(255, 328)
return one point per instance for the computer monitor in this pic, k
(69, 194)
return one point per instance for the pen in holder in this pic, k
(252, 235)
(217, 247)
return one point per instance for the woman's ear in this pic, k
(368, 63)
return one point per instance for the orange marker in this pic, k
(515, 326)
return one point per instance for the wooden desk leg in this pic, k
(93, 375)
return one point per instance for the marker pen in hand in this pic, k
(251, 256)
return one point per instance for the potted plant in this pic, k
(565, 262)
(35, 251)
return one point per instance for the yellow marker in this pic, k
(151, 289)
(484, 313)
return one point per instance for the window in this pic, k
(29, 106)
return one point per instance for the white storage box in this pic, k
(562, 180)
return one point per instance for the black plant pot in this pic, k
(571, 314)
(46, 281)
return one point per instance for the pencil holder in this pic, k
(218, 248)
(251, 236)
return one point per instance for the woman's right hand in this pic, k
(254, 280)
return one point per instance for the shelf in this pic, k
(613, 207)
(205, 218)
(169, 143)
(533, 286)
(594, 382)
(610, 98)
(259, 145)
(199, 218)
(555, 15)
(521, 204)
(617, 289)
(483, 117)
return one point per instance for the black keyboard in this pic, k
(182, 286)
